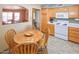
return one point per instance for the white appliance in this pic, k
(61, 29)
(62, 15)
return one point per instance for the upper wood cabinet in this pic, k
(62, 9)
(43, 10)
(73, 11)
(44, 20)
(51, 12)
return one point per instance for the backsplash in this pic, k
(71, 20)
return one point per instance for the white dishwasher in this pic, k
(61, 30)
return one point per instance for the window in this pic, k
(7, 17)
(16, 16)
(10, 16)
(4, 16)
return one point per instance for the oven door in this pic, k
(61, 32)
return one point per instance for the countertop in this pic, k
(69, 24)
(73, 25)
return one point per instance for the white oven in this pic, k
(61, 30)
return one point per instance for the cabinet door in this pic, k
(44, 20)
(62, 9)
(51, 12)
(51, 29)
(73, 34)
(74, 12)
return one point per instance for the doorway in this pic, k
(36, 18)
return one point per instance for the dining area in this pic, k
(18, 33)
(31, 41)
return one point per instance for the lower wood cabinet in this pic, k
(51, 29)
(73, 34)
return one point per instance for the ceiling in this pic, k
(56, 5)
(41, 5)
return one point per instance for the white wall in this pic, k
(18, 27)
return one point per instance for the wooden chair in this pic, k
(9, 35)
(29, 48)
(43, 42)
(44, 51)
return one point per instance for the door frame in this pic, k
(33, 16)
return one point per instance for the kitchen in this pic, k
(63, 21)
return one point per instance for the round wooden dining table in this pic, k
(23, 37)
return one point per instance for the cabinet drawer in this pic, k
(73, 29)
(74, 32)
(73, 35)
(74, 39)
(51, 29)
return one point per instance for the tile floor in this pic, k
(59, 46)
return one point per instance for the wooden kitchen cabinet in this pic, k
(44, 20)
(73, 11)
(51, 29)
(73, 34)
(51, 12)
(62, 9)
